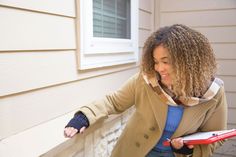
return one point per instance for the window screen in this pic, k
(111, 18)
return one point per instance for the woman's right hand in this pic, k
(76, 125)
(69, 132)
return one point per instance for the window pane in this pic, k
(111, 18)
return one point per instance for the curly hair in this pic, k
(192, 59)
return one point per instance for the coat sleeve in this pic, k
(216, 119)
(113, 103)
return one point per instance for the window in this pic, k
(111, 19)
(108, 32)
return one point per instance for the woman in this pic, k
(175, 94)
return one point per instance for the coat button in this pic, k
(137, 144)
(152, 128)
(146, 136)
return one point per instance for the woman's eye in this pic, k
(166, 62)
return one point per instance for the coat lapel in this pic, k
(191, 118)
(159, 108)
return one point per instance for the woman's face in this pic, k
(163, 65)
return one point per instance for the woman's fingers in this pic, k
(190, 146)
(82, 130)
(177, 143)
(70, 132)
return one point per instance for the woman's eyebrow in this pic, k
(163, 58)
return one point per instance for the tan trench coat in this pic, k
(145, 127)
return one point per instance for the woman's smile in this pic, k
(162, 64)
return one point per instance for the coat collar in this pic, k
(167, 98)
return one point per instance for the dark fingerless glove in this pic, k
(78, 121)
(184, 150)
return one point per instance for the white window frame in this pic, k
(97, 52)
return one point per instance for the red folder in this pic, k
(206, 137)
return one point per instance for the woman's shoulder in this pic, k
(136, 80)
(136, 77)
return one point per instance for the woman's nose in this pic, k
(160, 68)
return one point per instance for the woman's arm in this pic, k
(113, 103)
(116, 102)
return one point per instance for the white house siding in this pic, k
(40, 86)
(216, 19)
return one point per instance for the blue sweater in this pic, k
(174, 117)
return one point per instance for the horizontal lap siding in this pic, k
(216, 20)
(146, 5)
(31, 70)
(143, 35)
(27, 30)
(37, 50)
(35, 41)
(146, 20)
(232, 116)
(225, 34)
(192, 5)
(227, 67)
(231, 99)
(201, 18)
(225, 50)
(49, 6)
(229, 83)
